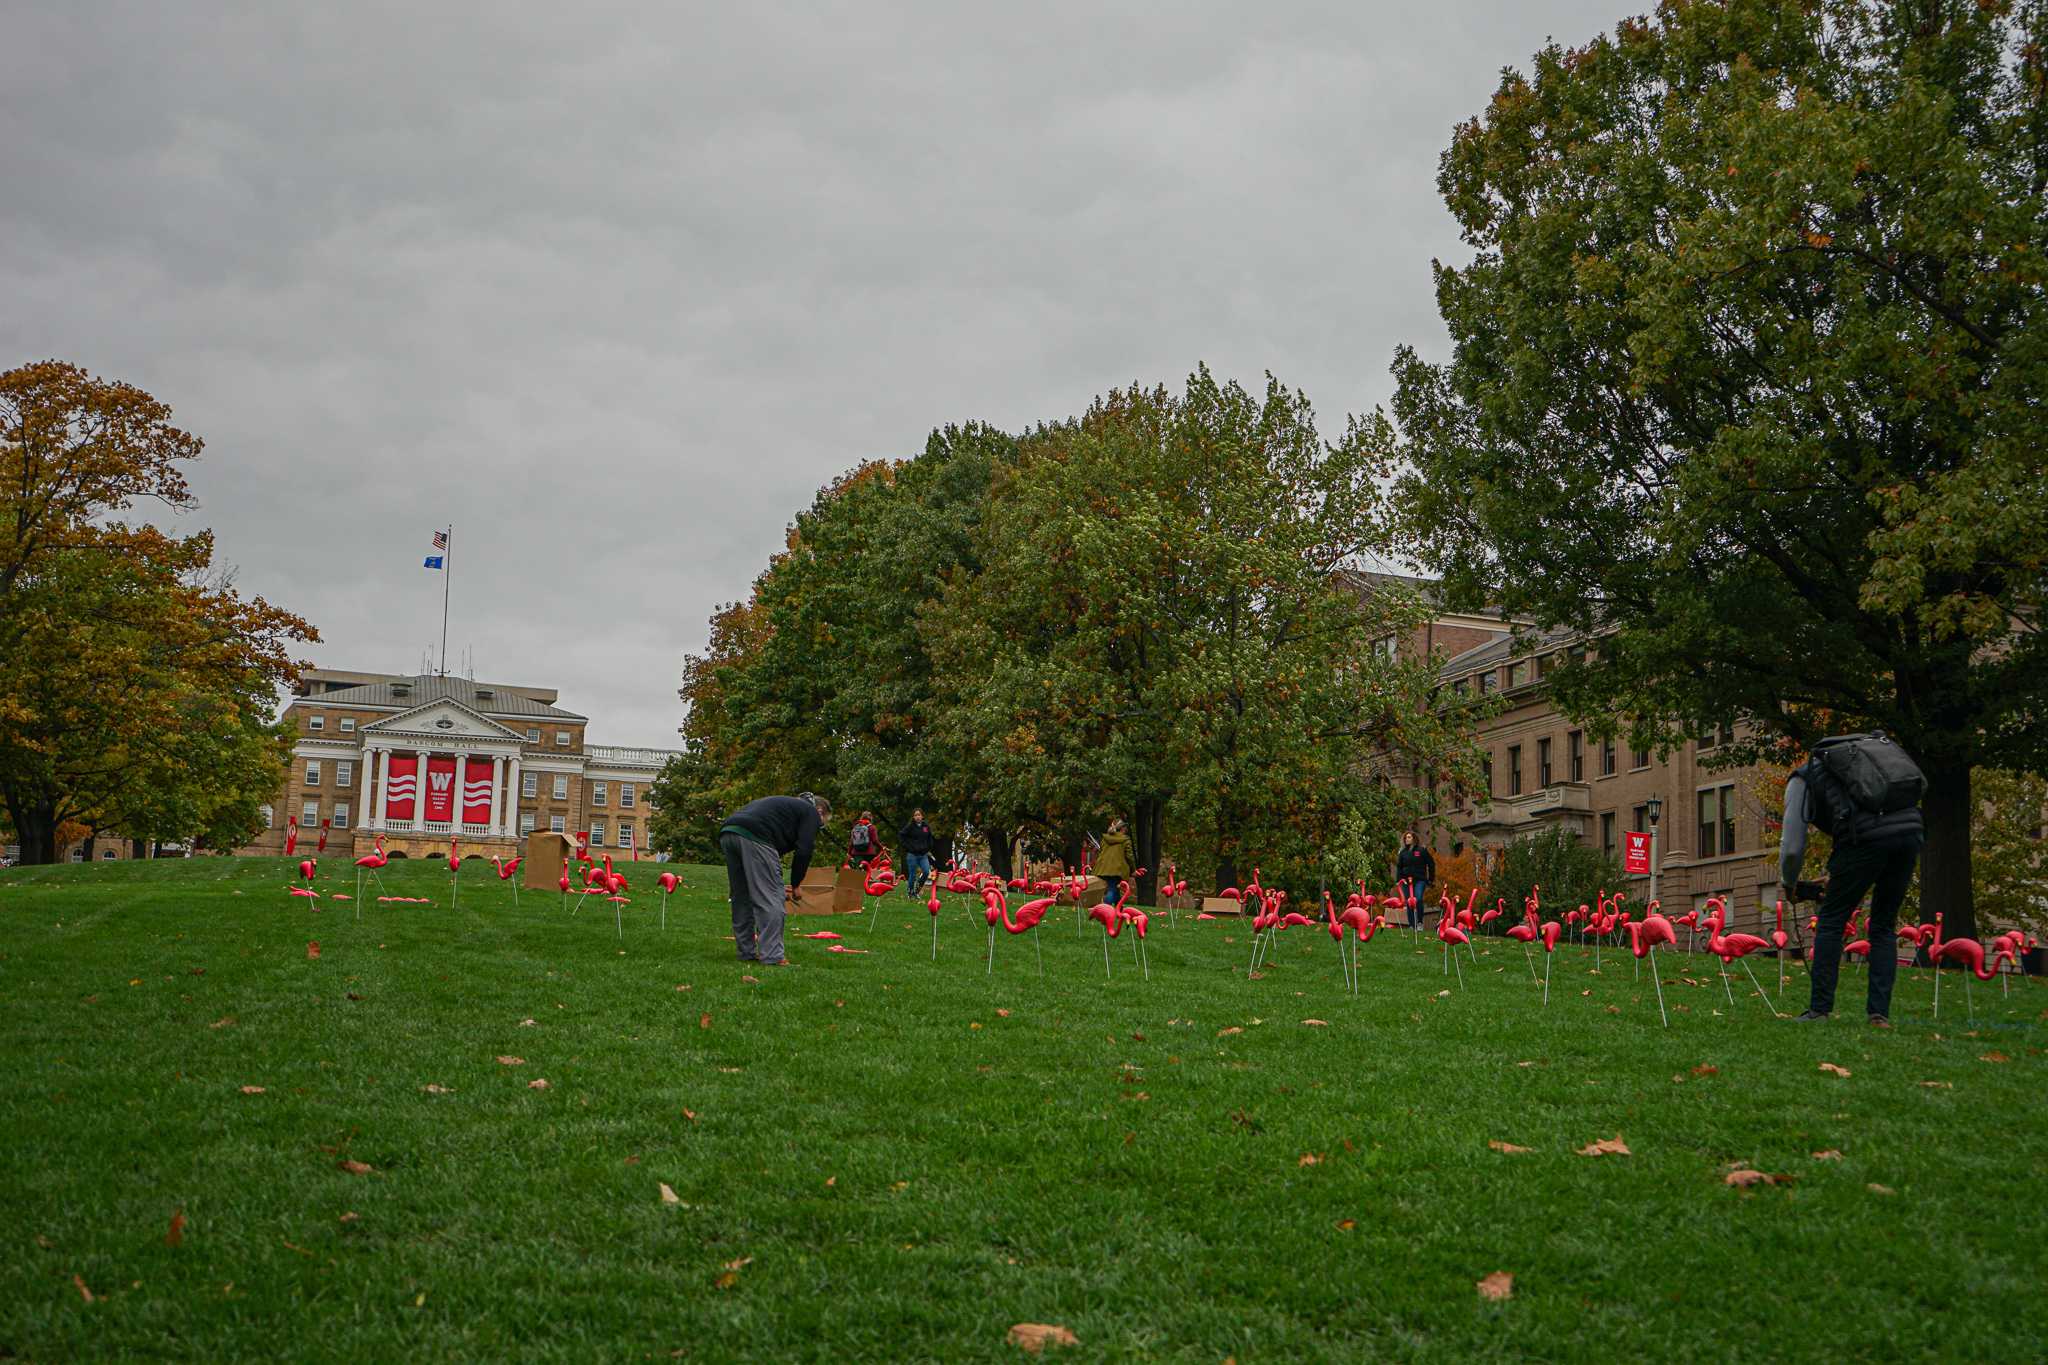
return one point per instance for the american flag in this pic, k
(440, 540)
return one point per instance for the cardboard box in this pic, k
(818, 887)
(849, 891)
(540, 866)
(1219, 905)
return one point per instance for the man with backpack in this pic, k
(863, 842)
(1864, 792)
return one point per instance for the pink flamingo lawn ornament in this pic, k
(373, 863)
(308, 869)
(1550, 933)
(1111, 919)
(1644, 937)
(505, 870)
(1736, 948)
(876, 883)
(1967, 953)
(1779, 938)
(1525, 934)
(669, 882)
(1363, 924)
(932, 906)
(611, 883)
(455, 871)
(1450, 935)
(1028, 915)
(563, 883)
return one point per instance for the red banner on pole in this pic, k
(1635, 854)
(401, 786)
(440, 787)
(476, 791)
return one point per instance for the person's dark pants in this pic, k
(753, 878)
(1884, 871)
(1420, 891)
(917, 870)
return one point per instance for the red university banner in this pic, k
(440, 803)
(476, 791)
(1635, 856)
(401, 786)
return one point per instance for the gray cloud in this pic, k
(616, 288)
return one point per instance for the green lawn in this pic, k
(879, 1157)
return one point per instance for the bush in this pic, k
(1567, 873)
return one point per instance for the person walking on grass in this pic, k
(1864, 793)
(916, 839)
(1113, 860)
(863, 841)
(1415, 868)
(754, 839)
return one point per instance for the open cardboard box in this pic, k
(826, 891)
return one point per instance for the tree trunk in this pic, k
(1146, 835)
(36, 827)
(92, 842)
(999, 860)
(135, 850)
(1945, 884)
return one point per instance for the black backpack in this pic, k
(1868, 785)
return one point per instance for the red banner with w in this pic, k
(401, 786)
(441, 787)
(476, 791)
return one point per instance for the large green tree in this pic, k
(1745, 378)
(135, 681)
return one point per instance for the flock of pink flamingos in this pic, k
(1364, 914)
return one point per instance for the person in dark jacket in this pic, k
(1874, 855)
(1415, 866)
(754, 839)
(863, 841)
(916, 839)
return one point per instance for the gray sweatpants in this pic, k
(753, 875)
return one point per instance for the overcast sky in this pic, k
(615, 289)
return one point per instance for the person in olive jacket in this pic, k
(1113, 860)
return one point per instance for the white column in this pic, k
(369, 820)
(461, 774)
(512, 796)
(497, 798)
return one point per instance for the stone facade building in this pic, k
(426, 758)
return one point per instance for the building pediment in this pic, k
(442, 720)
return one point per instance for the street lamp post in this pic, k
(1656, 805)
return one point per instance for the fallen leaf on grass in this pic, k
(83, 1292)
(1346, 1224)
(690, 1114)
(312, 950)
(1315, 1023)
(1834, 1070)
(669, 1196)
(176, 1235)
(750, 980)
(1525, 1063)
(1310, 1159)
(1442, 994)
(252, 1090)
(1613, 1146)
(1036, 1336)
(350, 1217)
(511, 1061)
(1939, 1085)
(1876, 1188)
(1994, 1057)
(1744, 1178)
(1827, 1154)
(433, 1089)
(526, 1023)
(537, 1084)
(1508, 1148)
(354, 1167)
(1002, 1014)
(703, 1021)
(222, 1022)
(1585, 992)
(1225, 1033)
(1704, 1070)
(1497, 1286)
(831, 1182)
(682, 988)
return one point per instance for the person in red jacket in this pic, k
(864, 841)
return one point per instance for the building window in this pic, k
(344, 772)
(1717, 820)
(1575, 743)
(1384, 647)
(626, 795)
(561, 789)
(555, 824)
(312, 772)
(526, 823)
(1607, 833)
(597, 834)
(1487, 682)
(1542, 762)
(533, 734)
(341, 815)
(348, 725)
(529, 784)
(309, 815)
(1514, 770)
(316, 722)
(561, 739)
(269, 819)
(1486, 774)
(1606, 758)
(1518, 673)
(597, 793)
(1458, 688)
(1639, 819)
(107, 854)
(625, 836)
(1638, 758)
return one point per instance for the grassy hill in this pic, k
(878, 1156)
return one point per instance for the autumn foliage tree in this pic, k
(1746, 379)
(136, 683)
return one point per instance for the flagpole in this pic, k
(447, 577)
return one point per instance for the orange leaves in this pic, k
(1994, 1057)
(537, 1083)
(668, 1195)
(1036, 1336)
(252, 1090)
(176, 1235)
(313, 949)
(1347, 1224)
(1315, 1023)
(704, 1021)
(1227, 1032)
(1613, 1146)
(1743, 1178)
(1938, 1085)
(690, 1114)
(1704, 1070)
(1506, 1148)
(1310, 1159)
(1827, 1154)
(83, 1292)
(511, 1061)
(1834, 1070)
(354, 1167)
(1497, 1286)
